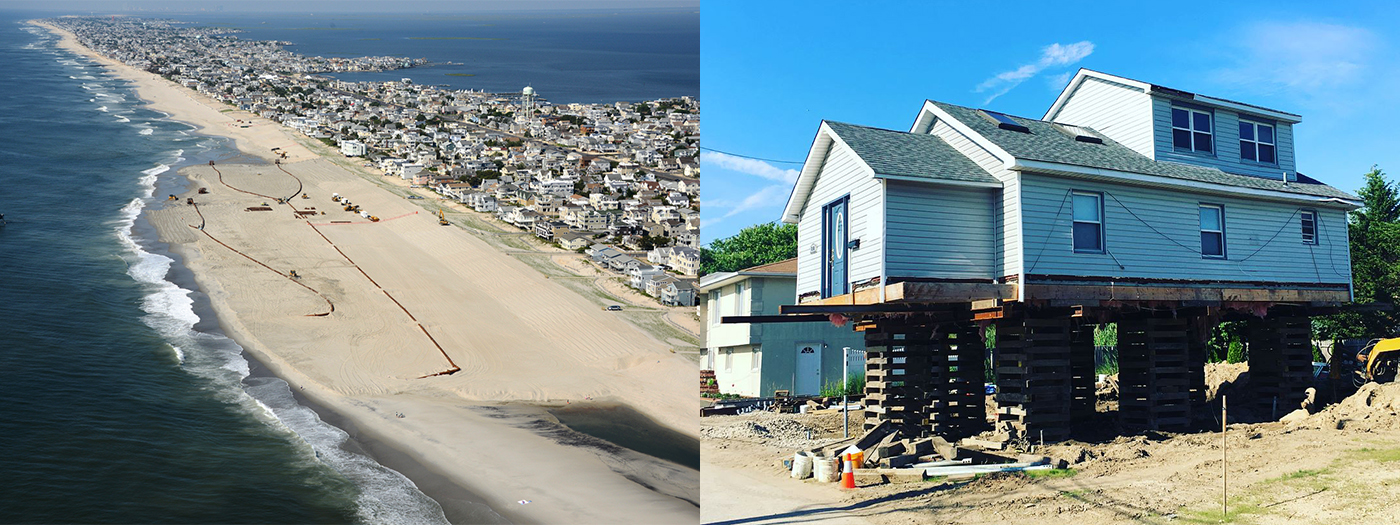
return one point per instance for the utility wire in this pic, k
(1328, 240)
(1149, 226)
(1046, 241)
(1271, 239)
(752, 158)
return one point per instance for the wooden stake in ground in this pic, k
(1224, 461)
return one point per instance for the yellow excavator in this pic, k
(442, 219)
(1379, 361)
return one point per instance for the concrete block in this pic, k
(869, 476)
(905, 475)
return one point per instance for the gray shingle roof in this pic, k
(911, 155)
(1045, 143)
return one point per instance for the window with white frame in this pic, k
(728, 359)
(1088, 221)
(716, 299)
(757, 356)
(1192, 130)
(739, 299)
(1309, 226)
(1257, 142)
(1212, 231)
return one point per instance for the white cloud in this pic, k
(749, 166)
(1301, 57)
(1053, 55)
(768, 196)
(1058, 82)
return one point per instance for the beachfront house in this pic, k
(352, 148)
(753, 359)
(1122, 189)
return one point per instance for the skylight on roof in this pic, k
(1079, 134)
(1005, 122)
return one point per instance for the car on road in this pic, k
(615, 308)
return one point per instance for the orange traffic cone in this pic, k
(848, 474)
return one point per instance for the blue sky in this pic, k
(772, 71)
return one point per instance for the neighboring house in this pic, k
(757, 359)
(1123, 189)
(483, 202)
(572, 241)
(352, 148)
(547, 229)
(679, 292)
(685, 260)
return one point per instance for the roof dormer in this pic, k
(1172, 125)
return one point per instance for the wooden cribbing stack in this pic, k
(1153, 374)
(926, 375)
(1280, 361)
(1034, 377)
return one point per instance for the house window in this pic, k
(714, 306)
(757, 356)
(728, 359)
(1191, 130)
(1257, 142)
(1088, 222)
(1212, 231)
(1309, 223)
(739, 299)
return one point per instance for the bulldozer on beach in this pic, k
(442, 219)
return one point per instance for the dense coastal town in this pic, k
(618, 181)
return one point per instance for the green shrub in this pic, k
(855, 386)
(1236, 353)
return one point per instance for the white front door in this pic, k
(807, 380)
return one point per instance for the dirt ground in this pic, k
(1341, 464)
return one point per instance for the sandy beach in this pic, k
(383, 310)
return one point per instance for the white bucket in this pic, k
(827, 470)
(801, 466)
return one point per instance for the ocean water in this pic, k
(574, 57)
(120, 399)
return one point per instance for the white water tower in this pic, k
(527, 101)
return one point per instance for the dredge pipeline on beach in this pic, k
(452, 365)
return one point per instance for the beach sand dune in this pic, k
(412, 298)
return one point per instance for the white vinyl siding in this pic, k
(1006, 211)
(1174, 253)
(938, 231)
(1117, 111)
(1227, 143)
(842, 173)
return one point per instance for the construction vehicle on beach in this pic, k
(1378, 361)
(442, 219)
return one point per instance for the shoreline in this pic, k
(454, 414)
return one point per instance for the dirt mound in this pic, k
(1373, 407)
(1228, 378)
